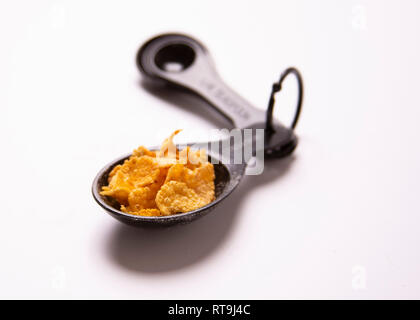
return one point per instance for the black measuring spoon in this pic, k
(183, 62)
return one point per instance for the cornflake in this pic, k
(162, 183)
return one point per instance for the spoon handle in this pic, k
(184, 62)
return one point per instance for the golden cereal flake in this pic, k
(134, 173)
(200, 180)
(168, 148)
(143, 212)
(118, 193)
(142, 151)
(163, 183)
(192, 158)
(144, 197)
(113, 172)
(175, 197)
(164, 162)
(140, 171)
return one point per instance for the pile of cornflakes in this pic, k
(162, 183)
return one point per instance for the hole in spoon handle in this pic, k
(184, 62)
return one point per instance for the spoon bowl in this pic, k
(227, 177)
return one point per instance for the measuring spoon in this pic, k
(183, 62)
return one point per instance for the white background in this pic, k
(339, 219)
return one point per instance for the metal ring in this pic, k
(276, 88)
